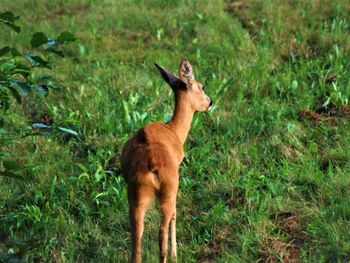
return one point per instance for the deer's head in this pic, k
(187, 87)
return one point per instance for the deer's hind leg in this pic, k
(140, 198)
(167, 203)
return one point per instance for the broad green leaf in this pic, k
(52, 42)
(37, 61)
(23, 86)
(4, 50)
(65, 37)
(45, 77)
(13, 26)
(167, 117)
(48, 81)
(127, 117)
(224, 85)
(143, 116)
(7, 67)
(15, 52)
(38, 39)
(55, 51)
(41, 89)
(8, 18)
(325, 104)
(40, 126)
(82, 49)
(101, 195)
(68, 131)
(53, 85)
(22, 69)
(15, 94)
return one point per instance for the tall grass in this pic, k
(266, 175)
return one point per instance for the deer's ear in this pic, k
(173, 81)
(186, 71)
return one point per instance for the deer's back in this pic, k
(154, 147)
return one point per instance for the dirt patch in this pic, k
(239, 9)
(346, 111)
(331, 115)
(216, 243)
(334, 158)
(330, 78)
(275, 250)
(287, 250)
(67, 10)
(234, 201)
(210, 252)
(310, 115)
(4, 238)
(291, 224)
(207, 258)
(239, 5)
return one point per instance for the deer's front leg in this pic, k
(167, 202)
(167, 212)
(173, 237)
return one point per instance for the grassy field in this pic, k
(266, 175)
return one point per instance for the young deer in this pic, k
(151, 159)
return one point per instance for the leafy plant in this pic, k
(18, 69)
(24, 73)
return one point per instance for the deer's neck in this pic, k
(180, 123)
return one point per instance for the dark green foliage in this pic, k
(9, 19)
(20, 77)
(18, 80)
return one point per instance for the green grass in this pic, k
(261, 180)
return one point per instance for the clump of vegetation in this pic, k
(21, 75)
(266, 172)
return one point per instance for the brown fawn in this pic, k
(151, 159)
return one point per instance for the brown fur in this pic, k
(151, 159)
